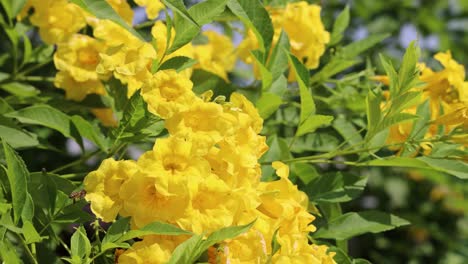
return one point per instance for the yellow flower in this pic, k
(307, 35)
(104, 184)
(296, 250)
(123, 9)
(75, 90)
(205, 123)
(57, 19)
(79, 56)
(167, 93)
(306, 32)
(217, 56)
(151, 250)
(106, 116)
(445, 87)
(153, 7)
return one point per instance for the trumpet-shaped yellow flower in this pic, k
(75, 90)
(57, 19)
(307, 35)
(103, 187)
(79, 56)
(151, 250)
(167, 93)
(153, 7)
(106, 116)
(216, 56)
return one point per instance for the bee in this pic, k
(78, 195)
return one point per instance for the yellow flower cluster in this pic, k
(301, 22)
(447, 92)
(203, 177)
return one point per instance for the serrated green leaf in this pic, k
(178, 63)
(18, 138)
(278, 61)
(267, 104)
(225, 233)
(9, 253)
(352, 224)
(20, 89)
(266, 76)
(312, 123)
(347, 131)
(116, 230)
(185, 252)
(335, 188)
(102, 10)
(30, 234)
(44, 115)
(80, 245)
(302, 76)
(179, 7)
(408, 71)
(155, 228)
(90, 132)
(456, 168)
(254, 15)
(373, 113)
(339, 26)
(203, 13)
(18, 177)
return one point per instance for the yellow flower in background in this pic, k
(153, 7)
(301, 22)
(167, 93)
(106, 116)
(306, 32)
(217, 56)
(57, 19)
(75, 90)
(445, 87)
(104, 185)
(123, 9)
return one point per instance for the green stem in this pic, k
(28, 251)
(35, 79)
(76, 162)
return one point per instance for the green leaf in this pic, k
(178, 63)
(335, 188)
(18, 177)
(253, 14)
(155, 228)
(20, 89)
(334, 66)
(373, 113)
(357, 47)
(204, 81)
(225, 233)
(184, 253)
(8, 252)
(275, 245)
(267, 104)
(347, 131)
(340, 256)
(43, 115)
(312, 123)
(278, 61)
(302, 76)
(266, 76)
(80, 245)
(102, 10)
(408, 72)
(30, 234)
(278, 150)
(18, 138)
(456, 168)
(353, 224)
(116, 230)
(17, 6)
(90, 132)
(203, 13)
(339, 26)
(179, 7)
(391, 73)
